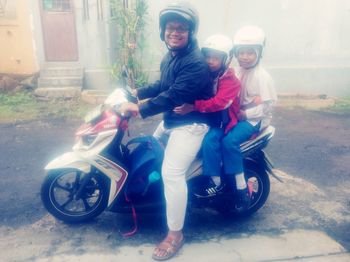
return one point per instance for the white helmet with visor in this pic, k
(249, 36)
(221, 44)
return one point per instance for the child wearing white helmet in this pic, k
(256, 100)
(217, 51)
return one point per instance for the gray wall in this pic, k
(93, 35)
(38, 43)
(308, 42)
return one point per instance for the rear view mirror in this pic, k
(125, 72)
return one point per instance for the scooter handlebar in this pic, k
(127, 110)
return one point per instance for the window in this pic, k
(57, 5)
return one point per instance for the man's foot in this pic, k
(209, 190)
(168, 247)
(242, 199)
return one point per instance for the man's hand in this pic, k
(184, 109)
(128, 107)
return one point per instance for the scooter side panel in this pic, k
(115, 172)
(69, 160)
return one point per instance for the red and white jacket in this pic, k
(227, 96)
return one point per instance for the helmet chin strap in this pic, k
(175, 49)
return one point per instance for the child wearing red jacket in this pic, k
(217, 51)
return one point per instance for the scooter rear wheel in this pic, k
(68, 199)
(259, 183)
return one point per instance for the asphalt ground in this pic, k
(306, 218)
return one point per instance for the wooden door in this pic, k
(59, 32)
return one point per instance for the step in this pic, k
(60, 81)
(58, 92)
(94, 97)
(61, 71)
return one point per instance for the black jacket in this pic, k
(184, 78)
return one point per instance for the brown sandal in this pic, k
(170, 247)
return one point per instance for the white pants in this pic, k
(183, 145)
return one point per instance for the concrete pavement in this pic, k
(297, 245)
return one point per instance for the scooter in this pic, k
(104, 173)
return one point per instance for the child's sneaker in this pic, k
(242, 199)
(210, 190)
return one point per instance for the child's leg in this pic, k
(211, 152)
(212, 158)
(233, 159)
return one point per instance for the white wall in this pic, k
(308, 41)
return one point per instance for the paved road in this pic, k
(307, 216)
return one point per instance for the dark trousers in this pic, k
(220, 149)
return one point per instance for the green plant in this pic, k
(130, 18)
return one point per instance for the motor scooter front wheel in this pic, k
(73, 196)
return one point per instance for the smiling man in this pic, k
(184, 79)
(176, 34)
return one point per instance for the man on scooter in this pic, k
(184, 79)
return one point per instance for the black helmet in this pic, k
(180, 9)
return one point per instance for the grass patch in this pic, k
(23, 106)
(341, 106)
